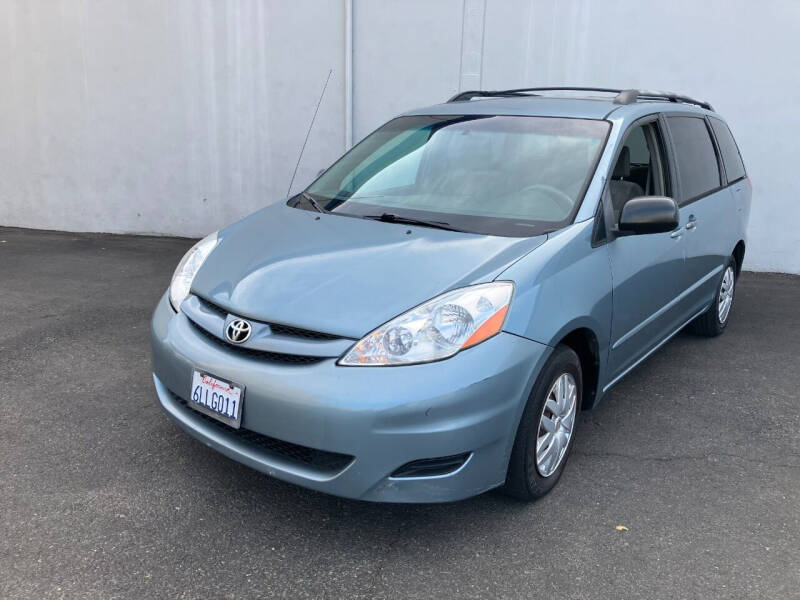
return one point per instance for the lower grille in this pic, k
(320, 460)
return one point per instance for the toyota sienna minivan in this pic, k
(424, 321)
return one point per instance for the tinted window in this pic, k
(695, 156)
(636, 142)
(734, 168)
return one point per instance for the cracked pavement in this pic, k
(697, 453)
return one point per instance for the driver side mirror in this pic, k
(648, 214)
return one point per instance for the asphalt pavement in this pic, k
(696, 453)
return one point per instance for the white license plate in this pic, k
(217, 398)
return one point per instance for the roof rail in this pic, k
(622, 96)
(631, 96)
(464, 96)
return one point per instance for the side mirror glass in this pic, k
(648, 214)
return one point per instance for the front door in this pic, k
(649, 271)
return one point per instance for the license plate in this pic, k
(217, 398)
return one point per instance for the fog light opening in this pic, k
(432, 467)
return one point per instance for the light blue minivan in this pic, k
(425, 320)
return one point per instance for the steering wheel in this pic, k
(560, 198)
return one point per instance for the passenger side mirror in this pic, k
(648, 214)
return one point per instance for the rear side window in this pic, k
(734, 168)
(695, 157)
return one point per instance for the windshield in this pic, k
(499, 175)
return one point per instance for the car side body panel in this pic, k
(649, 277)
(711, 232)
(633, 296)
(562, 286)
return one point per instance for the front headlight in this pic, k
(187, 268)
(436, 329)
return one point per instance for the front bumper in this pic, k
(384, 417)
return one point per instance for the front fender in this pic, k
(563, 285)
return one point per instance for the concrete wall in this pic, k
(161, 116)
(178, 117)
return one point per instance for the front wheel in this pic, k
(546, 431)
(713, 322)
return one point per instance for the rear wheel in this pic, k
(713, 322)
(546, 431)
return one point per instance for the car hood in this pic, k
(343, 275)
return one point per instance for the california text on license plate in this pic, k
(217, 398)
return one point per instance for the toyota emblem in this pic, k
(238, 331)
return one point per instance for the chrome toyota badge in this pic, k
(238, 331)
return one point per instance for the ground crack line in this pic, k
(669, 459)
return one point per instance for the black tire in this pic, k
(523, 480)
(709, 324)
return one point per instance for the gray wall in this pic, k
(178, 117)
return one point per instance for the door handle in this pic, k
(676, 234)
(692, 223)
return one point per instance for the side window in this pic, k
(640, 169)
(695, 157)
(734, 168)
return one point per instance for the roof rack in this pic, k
(631, 96)
(622, 96)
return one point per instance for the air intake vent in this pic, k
(320, 460)
(431, 467)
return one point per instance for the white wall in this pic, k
(180, 116)
(161, 116)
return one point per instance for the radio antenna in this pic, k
(308, 133)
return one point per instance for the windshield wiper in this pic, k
(392, 218)
(314, 204)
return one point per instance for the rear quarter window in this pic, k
(695, 157)
(734, 167)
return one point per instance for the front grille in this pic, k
(213, 307)
(320, 460)
(277, 357)
(431, 467)
(276, 328)
(290, 331)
